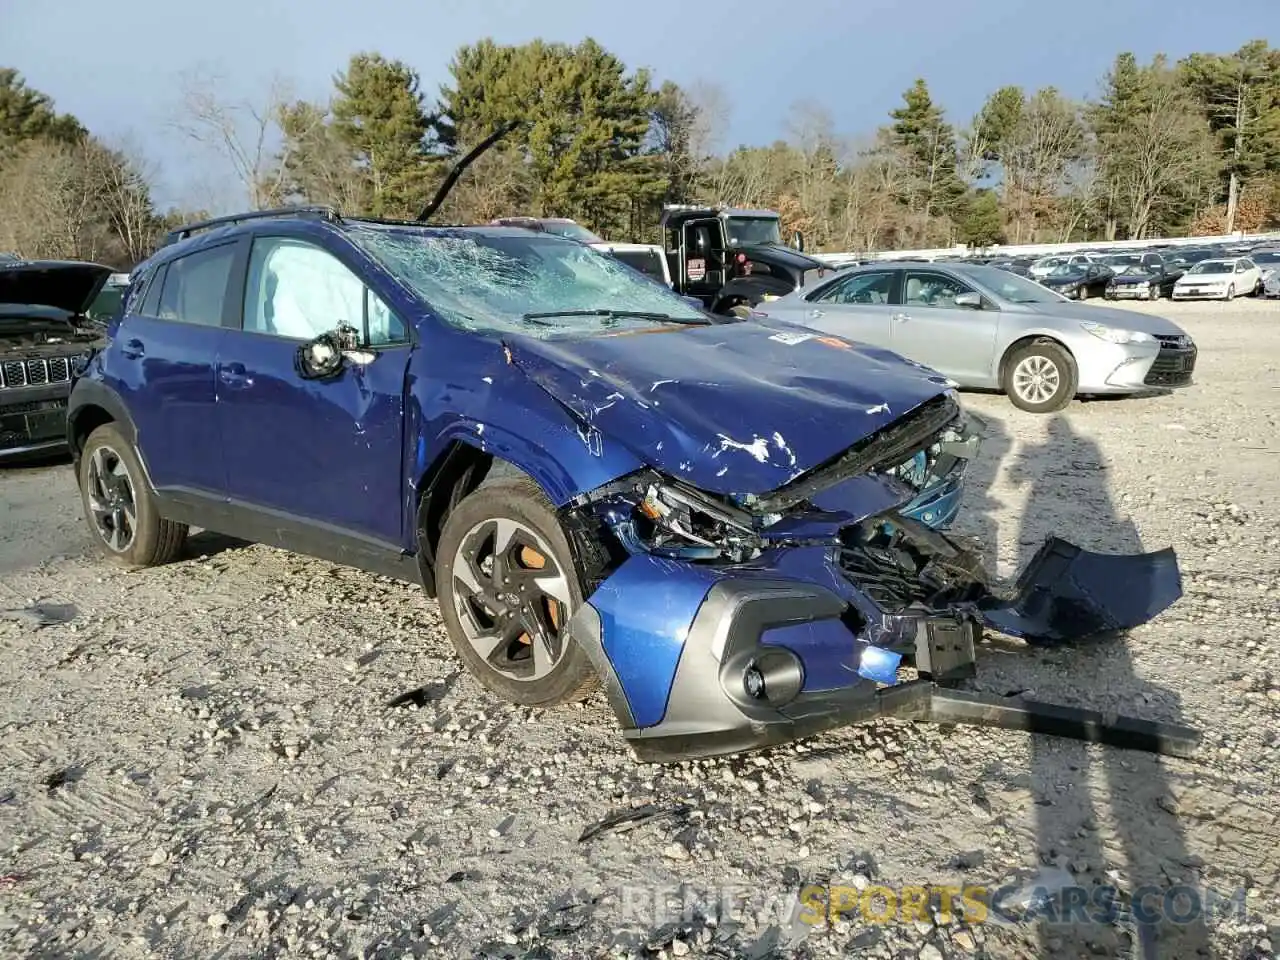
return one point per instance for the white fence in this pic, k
(1040, 249)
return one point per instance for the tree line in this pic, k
(1164, 148)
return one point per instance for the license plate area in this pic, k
(945, 648)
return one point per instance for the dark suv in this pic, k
(732, 524)
(45, 341)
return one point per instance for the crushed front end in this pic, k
(721, 624)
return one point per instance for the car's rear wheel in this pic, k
(1040, 377)
(118, 505)
(508, 585)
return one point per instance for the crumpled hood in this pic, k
(731, 408)
(1111, 316)
(69, 285)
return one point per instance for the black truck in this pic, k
(732, 259)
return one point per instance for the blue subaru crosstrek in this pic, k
(734, 525)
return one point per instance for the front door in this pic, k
(328, 455)
(929, 327)
(703, 252)
(163, 366)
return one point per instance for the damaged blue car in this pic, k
(736, 527)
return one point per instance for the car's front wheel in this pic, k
(1153, 291)
(118, 505)
(1231, 293)
(508, 585)
(1040, 377)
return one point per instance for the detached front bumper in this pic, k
(701, 661)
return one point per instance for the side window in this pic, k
(872, 287)
(195, 286)
(155, 283)
(297, 290)
(382, 326)
(932, 290)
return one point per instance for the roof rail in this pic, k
(186, 230)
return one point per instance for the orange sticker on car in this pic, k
(835, 342)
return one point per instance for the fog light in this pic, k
(753, 683)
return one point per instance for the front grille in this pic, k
(1174, 364)
(35, 372)
(879, 574)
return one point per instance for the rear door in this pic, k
(321, 456)
(858, 307)
(163, 368)
(929, 327)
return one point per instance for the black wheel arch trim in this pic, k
(87, 394)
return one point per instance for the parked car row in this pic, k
(1221, 272)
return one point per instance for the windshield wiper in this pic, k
(540, 318)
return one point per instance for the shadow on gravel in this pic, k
(206, 543)
(38, 461)
(1137, 834)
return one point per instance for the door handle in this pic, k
(133, 349)
(234, 375)
(816, 314)
(902, 317)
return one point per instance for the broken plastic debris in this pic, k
(634, 817)
(41, 614)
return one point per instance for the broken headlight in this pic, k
(679, 521)
(934, 463)
(649, 513)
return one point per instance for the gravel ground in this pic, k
(249, 753)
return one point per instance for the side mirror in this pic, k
(969, 299)
(324, 357)
(797, 241)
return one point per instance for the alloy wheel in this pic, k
(512, 598)
(1036, 379)
(112, 499)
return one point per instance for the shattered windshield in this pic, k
(752, 230)
(533, 284)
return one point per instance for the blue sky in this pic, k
(116, 65)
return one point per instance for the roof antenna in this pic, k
(460, 167)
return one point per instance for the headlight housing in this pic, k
(1116, 335)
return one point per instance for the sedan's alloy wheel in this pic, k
(512, 598)
(1036, 378)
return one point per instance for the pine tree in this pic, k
(929, 142)
(379, 113)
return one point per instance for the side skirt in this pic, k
(286, 531)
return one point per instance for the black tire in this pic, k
(1067, 377)
(1231, 292)
(152, 540)
(1153, 292)
(516, 499)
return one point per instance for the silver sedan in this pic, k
(989, 329)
